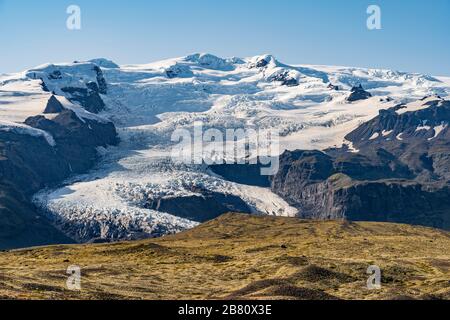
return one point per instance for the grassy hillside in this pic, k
(243, 257)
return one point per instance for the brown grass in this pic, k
(243, 257)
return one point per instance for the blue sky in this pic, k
(414, 36)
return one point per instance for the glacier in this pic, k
(306, 103)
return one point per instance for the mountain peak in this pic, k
(263, 61)
(104, 63)
(209, 61)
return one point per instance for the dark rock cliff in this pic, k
(358, 93)
(29, 163)
(401, 172)
(200, 208)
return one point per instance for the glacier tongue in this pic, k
(148, 102)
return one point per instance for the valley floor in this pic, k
(243, 257)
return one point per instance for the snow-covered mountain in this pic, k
(122, 196)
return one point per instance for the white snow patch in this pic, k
(374, 136)
(420, 128)
(438, 130)
(417, 105)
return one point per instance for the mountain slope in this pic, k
(244, 257)
(20, 225)
(43, 140)
(397, 170)
(313, 107)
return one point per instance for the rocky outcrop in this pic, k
(53, 106)
(76, 139)
(178, 71)
(88, 98)
(284, 78)
(262, 62)
(101, 81)
(358, 93)
(29, 163)
(249, 174)
(418, 138)
(82, 83)
(333, 87)
(20, 225)
(200, 208)
(321, 191)
(341, 197)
